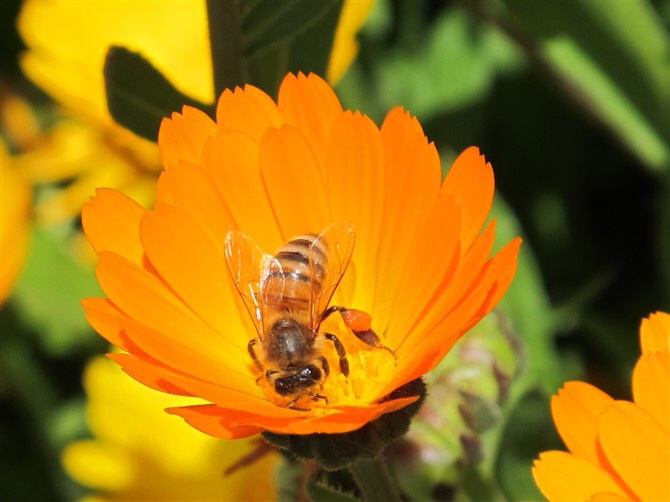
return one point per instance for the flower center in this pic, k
(370, 368)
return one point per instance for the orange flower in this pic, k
(619, 450)
(420, 266)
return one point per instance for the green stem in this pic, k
(373, 479)
(225, 42)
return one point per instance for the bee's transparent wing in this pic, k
(246, 261)
(273, 284)
(329, 256)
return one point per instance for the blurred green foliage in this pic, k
(570, 102)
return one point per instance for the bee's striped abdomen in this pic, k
(298, 281)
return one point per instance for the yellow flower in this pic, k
(68, 64)
(140, 453)
(618, 450)
(420, 266)
(14, 222)
(345, 46)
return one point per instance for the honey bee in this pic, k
(287, 296)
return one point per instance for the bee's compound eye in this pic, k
(285, 386)
(310, 374)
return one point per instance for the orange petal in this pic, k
(236, 423)
(293, 182)
(347, 418)
(470, 182)
(182, 136)
(161, 377)
(159, 350)
(453, 290)
(354, 176)
(413, 211)
(195, 270)
(144, 298)
(651, 385)
(310, 104)
(655, 333)
(222, 393)
(503, 266)
(470, 270)
(106, 319)
(215, 421)
(430, 346)
(576, 410)
(142, 372)
(249, 111)
(111, 222)
(638, 448)
(434, 255)
(231, 160)
(492, 285)
(194, 192)
(561, 476)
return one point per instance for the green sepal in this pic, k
(324, 493)
(337, 451)
(138, 95)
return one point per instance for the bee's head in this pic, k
(305, 378)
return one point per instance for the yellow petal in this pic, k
(576, 410)
(608, 497)
(561, 476)
(638, 449)
(651, 386)
(86, 460)
(655, 333)
(141, 453)
(345, 46)
(68, 63)
(14, 212)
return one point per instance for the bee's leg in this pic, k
(252, 353)
(341, 353)
(313, 395)
(293, 401)
(316, 397)
(324, 365)
(360, 323)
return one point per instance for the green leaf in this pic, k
(267, 23)
(300, 39)
(455, 67)
(527, 306)
(48, 293)
(138, 95)
(611, 58)
(225, 40)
